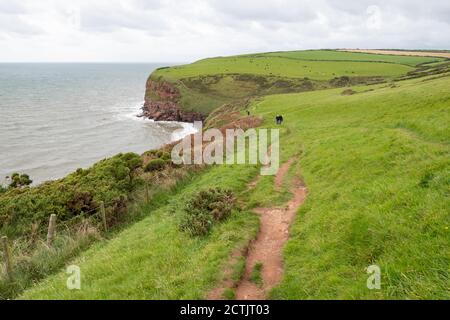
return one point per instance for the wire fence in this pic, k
(92, 223)
(95, 221)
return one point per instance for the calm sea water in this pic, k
(55, 118)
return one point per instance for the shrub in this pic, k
(155, 164)
(20, 180)
(81, 201)
(77, 193)
(205, 208)
(166, 156)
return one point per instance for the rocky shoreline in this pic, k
(162, 104)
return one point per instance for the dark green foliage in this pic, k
(166, 156)
(20, 180)
(426, 179)
(125, 167)
(205, 208)
(110, 180)
(341, 81)
(155, 164)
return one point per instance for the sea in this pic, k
(57, 117)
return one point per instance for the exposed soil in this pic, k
(267, 247)
(162, 104)
(402, 53)
(282, 173)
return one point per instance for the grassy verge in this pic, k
(33, 260)
(376, 165)
(375, 161)
(154, 260)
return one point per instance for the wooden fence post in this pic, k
(147, 193)
(7, 255)
(103, 214)
(51, 230)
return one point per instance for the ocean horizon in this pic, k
(57, 117)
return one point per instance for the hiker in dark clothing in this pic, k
(279, 119)
(248, 112)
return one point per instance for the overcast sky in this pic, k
(185, 30)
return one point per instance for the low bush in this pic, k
(166, 156)
(20, 180)
(155, 164)
(79, 193)
(205, 208)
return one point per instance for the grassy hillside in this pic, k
(153, 259)
(286, 67)
(316, 65)
(319, 55)
(376, 166)
(207, 84)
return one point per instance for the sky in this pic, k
(187, 30)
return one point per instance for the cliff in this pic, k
(162, 103)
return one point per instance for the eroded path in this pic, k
(267, 248)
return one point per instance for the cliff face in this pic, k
(162, 103)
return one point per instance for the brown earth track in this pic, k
(268, 246)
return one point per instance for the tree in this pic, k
(124, 168)
(20, 180)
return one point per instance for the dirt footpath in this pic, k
(267, 249)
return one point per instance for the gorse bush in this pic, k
(205, 208)
(155, 164)
(110, 180)
(165, 156)
(20, 180)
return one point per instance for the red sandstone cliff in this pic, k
(162, 103)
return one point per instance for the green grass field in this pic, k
(285, 67)
(377, 167)
(207, 84)
(376, 164)
(153, 259)
(318, 55)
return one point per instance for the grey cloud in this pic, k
(18, 25)
(254, 10)
(162, 30)
(110, 18)
(11, 7)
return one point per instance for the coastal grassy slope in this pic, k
(376, 166)
(207, 84)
